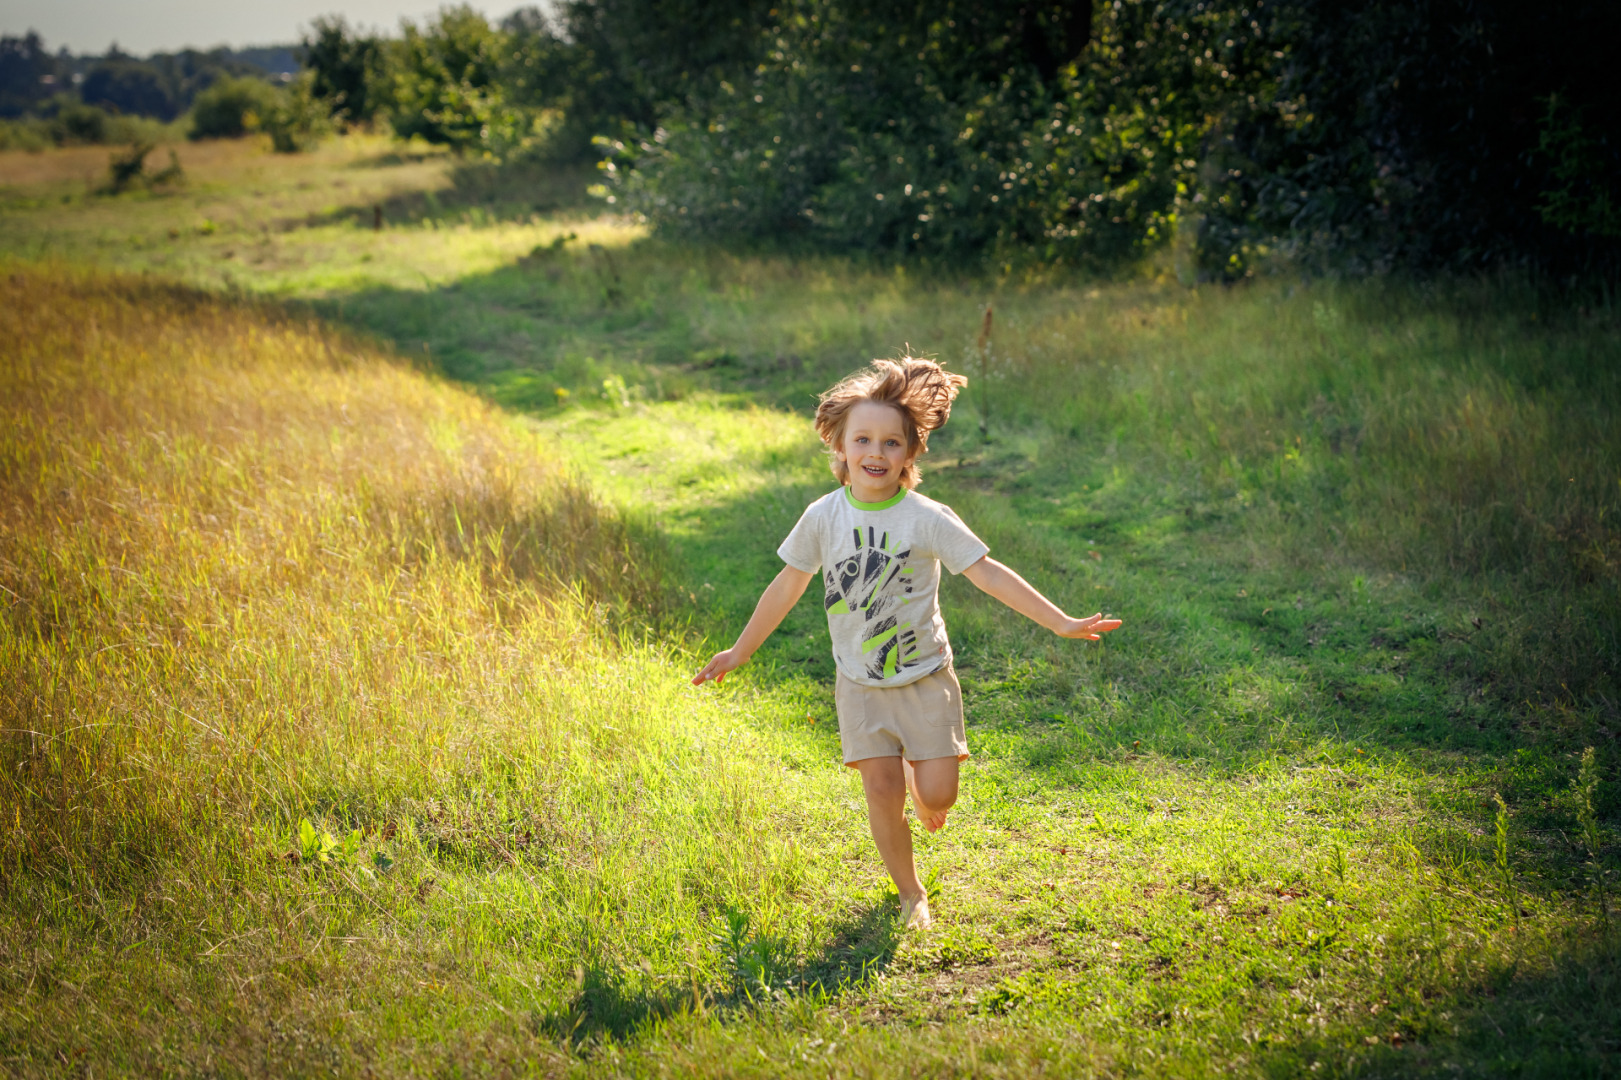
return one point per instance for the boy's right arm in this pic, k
(775, 603)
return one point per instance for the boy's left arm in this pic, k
(994, 578)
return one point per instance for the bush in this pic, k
(76, 122)
(448, 86)
(232, 108)
(25, 134)
(125, 169)
(924, 141)
(345, 69)
(296, 120)
(1350, 137)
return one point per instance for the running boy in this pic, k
(879, 546)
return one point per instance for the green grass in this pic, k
(1363, 538)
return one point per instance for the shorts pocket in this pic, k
(942, 698)
(849, 704)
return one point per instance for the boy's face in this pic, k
(874, 447)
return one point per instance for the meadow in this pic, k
(365, 513)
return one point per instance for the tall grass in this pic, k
(1457, 435)
(1443, 434)
(256, 573)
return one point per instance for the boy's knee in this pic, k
(881, 782)
(936, 784)
(938, 793)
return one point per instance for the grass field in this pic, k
(353, 575)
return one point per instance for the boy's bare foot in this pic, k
(932, 820)
(915, 913)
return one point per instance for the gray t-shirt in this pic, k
(880, 567)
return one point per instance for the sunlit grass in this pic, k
(303, 224)
(257, 573)
(259, 569)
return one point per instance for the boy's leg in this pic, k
(885, 787)
(933, 783)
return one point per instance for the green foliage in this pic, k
(1592, 832)
(614, 67)
(1583, 198)
(1500, 843)
(323, 849)
(1349, 137)
(296, 119)
(75, 122)
(899, 137)
(66, 121)
(345, 69)
(126, 168)
(447, 86)
(292, 116)
(232, 108)
(130, 86)
(1587, 782)
(29, 134)
(28, 74)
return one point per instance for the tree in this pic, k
(345, 67)
(447, 85)
(130, 86)
(28, 74)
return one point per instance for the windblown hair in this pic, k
(921, 390)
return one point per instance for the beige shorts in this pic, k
(918, 721)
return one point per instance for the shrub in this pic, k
(25, 134)
(127, 168)
(345, 69)
(232, 108)
(1352, 137)
(296, 120)
(76, 122)
(448, 86)
(922, 141)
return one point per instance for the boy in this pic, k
(879, 546)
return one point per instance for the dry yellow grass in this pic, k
(256, 572)
(229, 162)
(205, 498)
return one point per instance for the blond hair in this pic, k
(920, 390)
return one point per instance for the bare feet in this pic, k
(932, 820)
(915, 913)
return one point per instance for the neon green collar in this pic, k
(849, 493)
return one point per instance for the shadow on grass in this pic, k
(479, 193)
(573, 312)
(1222, 660)
(617, 1002)
(1546, 1016)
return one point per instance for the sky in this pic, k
(147, 26)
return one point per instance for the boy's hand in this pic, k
(723, 662)
(1091, 628)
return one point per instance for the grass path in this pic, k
(1185, 852)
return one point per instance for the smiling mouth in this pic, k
(874, 470)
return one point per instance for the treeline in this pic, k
(57, 98)
(1357, 135)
